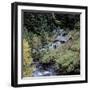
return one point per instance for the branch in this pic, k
(55, 20)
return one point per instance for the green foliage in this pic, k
(38, 32)
(67, 21)
(77, 25)
(38, 22)
(67, 56)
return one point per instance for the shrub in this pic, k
(67, 56)
(27, 59)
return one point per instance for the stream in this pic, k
(49, 69)
(43, 69)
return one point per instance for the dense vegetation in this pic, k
(39, 30)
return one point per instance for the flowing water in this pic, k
(50, 70)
